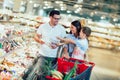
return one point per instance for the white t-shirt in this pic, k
(49, 35)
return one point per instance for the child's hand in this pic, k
(66, 55)
(76, 51)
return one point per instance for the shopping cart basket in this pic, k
(83, 70)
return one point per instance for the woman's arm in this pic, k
(66, 40)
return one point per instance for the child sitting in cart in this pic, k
(81, 45)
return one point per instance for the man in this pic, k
(47, 36)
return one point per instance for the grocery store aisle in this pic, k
(107, 64)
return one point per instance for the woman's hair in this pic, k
(53, 12)
(77, 24)
(86, 30)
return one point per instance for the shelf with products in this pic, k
(24, 19)
(105, 36)
(101, 45)
(104, 40)
(14, 62)
(104, 44)
(111, 32)
(107, 42)
(103, 24)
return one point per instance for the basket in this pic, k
(64, 65)
(83, 70)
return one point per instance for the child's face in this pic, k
(82, 35)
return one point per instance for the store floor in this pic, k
(107, 64)
(104, 74)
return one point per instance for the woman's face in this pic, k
(73, 29)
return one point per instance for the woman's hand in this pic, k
(66, 40)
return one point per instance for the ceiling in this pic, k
(95, 9)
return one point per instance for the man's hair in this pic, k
(86, 30)
(53, 12)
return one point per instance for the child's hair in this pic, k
(86, 30)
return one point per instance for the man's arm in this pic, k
(37, 38)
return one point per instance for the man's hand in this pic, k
(53, 45)
(42, 42)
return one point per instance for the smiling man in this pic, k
(47, 37)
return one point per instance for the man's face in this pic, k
(54, 19)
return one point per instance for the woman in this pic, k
(74, 35)
(81, 45)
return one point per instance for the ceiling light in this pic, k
(56, 9)
(115, 19)
(63, 8)
(45, 2)
(103, 17)
(93, 4)
(59, 2)
(76, 6)
(36, 5)
(44, 7)
(79, 1)
(92, 14)
(69, 11)
(95, 12)
(31, 1)
(76, 11)
(96, 3)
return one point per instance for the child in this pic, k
(82, 44)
